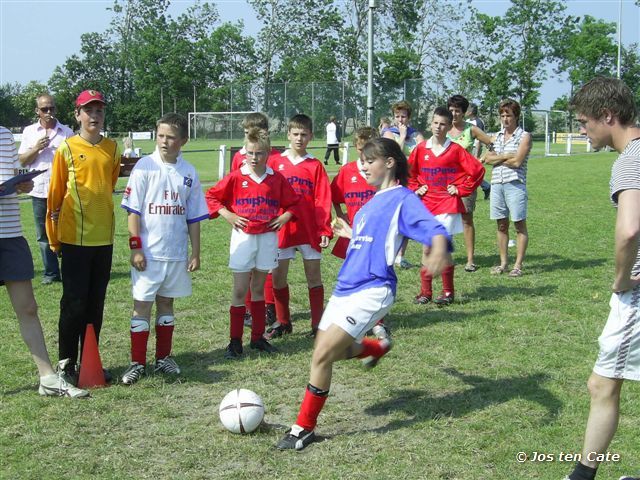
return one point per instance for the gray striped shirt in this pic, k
(625, 175)
(502, 173)
(9, 207)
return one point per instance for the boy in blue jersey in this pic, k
(366, 285)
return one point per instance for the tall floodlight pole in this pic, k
(619, 34)
(372, 5)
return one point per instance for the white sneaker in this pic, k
(166, 365)
(55, 385)
(133, 373)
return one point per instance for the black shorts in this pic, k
(16, 263)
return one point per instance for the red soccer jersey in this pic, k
(309, 179)
(240, 155)
(454, 166)
(349, 187)
(258, 200)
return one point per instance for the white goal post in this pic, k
(214, 124)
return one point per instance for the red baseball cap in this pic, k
(89, 96)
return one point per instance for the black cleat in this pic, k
(277, 329)
(444, 299)
(263, 346)
(296, 439)
(422, 299)
(234, 350)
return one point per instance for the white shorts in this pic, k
(307, 252)
(167, 279)
(249, 251)
(619, 355)
(452, 222)
(357, 313)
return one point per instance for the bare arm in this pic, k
(480, 135)
(137, 259)
(194, 237)
(513, 160)
(28, 157)
(626, 237)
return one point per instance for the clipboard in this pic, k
(9, 187)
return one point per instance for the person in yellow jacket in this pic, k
(81, 223)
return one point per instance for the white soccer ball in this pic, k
(241, 411)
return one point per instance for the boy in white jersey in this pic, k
(165, 204)
(606, 111)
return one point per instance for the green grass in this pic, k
(465, 389)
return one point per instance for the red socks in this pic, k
(257, 322)
(236, 315)
(447, 280)
(311, 406)
(139, 347)
(268, 290)
(373, 348)
(281, 296)
(316, 301)
(426, 279)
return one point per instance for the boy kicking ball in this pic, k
(257, 202)
(366, 285)
(165, 204)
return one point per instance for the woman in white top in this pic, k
(509, 185)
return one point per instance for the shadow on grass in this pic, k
(433, 315)
(420, 406)
(514, 292)
(534, 263)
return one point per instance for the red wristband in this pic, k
(135, 243)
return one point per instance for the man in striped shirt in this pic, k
(607, 114)
(16, 272)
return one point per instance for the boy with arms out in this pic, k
(441, 172)
(165, 206)
(257, 202)
(310, 232)
(81, 224)
(607, 114)
(366, 285)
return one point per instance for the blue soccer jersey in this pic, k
(378, 231)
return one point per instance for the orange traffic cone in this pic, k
(91, 374)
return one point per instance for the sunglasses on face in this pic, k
(47, 109)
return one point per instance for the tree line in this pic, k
(147, 56)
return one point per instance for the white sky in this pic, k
(37, 36)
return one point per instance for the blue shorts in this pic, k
(16, 263)
(508, 200)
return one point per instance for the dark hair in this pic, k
(604, 93)
(458, 101)
(257, 120)
(443, 112)
(177, 121)
(473, 108)
(384, 148)
(366, 133)
(259, 136)
(402, 105)
(301, 121)
(510, 104)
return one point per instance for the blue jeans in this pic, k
(49, 259)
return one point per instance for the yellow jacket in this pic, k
(83, 177)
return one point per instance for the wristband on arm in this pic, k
(135, 243)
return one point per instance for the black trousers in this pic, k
(335, 147)
(85, 276)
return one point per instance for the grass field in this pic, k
(464, 390)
